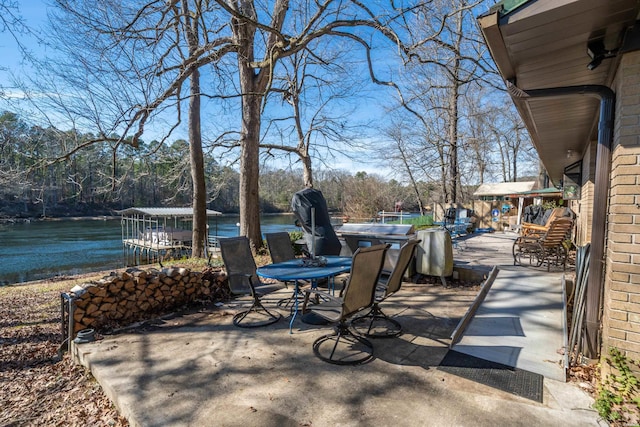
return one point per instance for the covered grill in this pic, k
(354, 236)
(310, 208)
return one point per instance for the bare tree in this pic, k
(443, 69)
(319, 89)
(122, 67)
(196, 155)
(515, 150)
(403, 154)
(362, 196)
(272, 39)
(477, 137)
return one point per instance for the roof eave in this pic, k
(490, 28)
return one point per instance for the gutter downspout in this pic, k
(595, 284)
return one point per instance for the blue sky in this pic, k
(34, 14)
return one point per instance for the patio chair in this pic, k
(342, 346)
(281, 250)
(241, 271)
(547, 248)
(376, 323)
(280, 247)
(529, 229)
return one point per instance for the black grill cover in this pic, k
(326, 241)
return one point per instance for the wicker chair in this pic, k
(241, 271)
(343, 347)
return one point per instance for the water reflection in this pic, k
(42, 249)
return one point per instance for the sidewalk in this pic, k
(199, 370)
(521, 322)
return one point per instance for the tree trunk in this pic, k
(197, 169)
(249, 158)
(414, 184)
(454, 111)
(196, 156)
(307, 172)
(453, 143)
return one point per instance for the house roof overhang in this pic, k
(543, 44)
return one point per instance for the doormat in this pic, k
(506, 378)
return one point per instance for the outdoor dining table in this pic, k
(299, 269)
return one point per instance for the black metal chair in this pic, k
(280, 247)
(376, 323)
(241, 271)
(343, 347)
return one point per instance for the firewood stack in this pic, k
(136, 294)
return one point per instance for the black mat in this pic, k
(506, 378)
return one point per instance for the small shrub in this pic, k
(295, 236)
(418, 222)
(618, 400)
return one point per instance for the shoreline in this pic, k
(16, 220)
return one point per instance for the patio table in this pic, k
(300, 269)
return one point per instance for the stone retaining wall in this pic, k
(136, 294)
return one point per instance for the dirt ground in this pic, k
(39, 388)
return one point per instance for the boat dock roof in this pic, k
(165, 212)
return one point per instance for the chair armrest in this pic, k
(534, 226)
(527, 229)
(344, 284)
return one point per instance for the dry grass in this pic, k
(40, 388)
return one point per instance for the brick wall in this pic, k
(621, 321)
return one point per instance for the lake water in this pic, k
(43, 249)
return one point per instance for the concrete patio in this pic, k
(199, 370)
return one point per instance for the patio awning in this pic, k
(543, 192)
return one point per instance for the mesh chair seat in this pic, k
(281, 250)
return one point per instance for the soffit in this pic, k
(543, 44)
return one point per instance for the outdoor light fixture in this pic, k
(597, 52)
(569, 154)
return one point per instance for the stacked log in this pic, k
(136, 294)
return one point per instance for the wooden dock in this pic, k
(152, 234)
(142, 251)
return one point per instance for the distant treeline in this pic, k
(40, 177)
